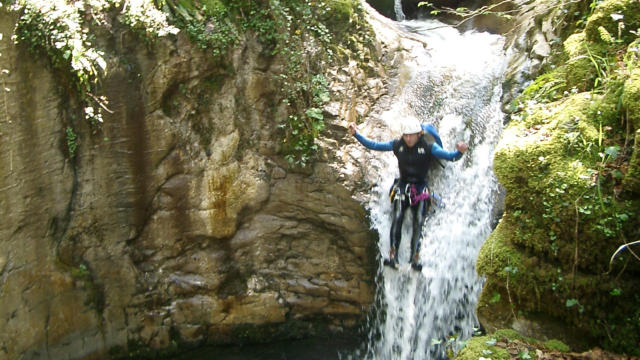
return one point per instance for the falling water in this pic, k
(397, 6)
(455, 84)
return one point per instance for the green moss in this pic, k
(547, 162)
(632, 56)
(498, 252)
(562, 222)
(587, 62)
(631, 98)
(485, 346)
(602, 19)
(547, 87)
(508, 334)
(631, 181)
(555, 344)
(541, 161)
(480, 346)
(562, 159)
(338, 17)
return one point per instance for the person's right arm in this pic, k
(368, 143)
(374, 145)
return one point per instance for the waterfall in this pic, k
(455, 84)
(397, 6)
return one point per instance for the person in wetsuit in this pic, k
(415, 156)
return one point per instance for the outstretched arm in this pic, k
(368, 143)
(440, 153)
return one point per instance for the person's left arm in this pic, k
(443, 154)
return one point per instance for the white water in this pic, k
(397, 5)
(455, 84)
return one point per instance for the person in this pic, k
(415, 155)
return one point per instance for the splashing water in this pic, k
(455, 84)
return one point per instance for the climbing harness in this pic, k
(411, 191)
(415, 197)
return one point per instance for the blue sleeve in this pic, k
(431, 130)
(440, 153)
(374, 145)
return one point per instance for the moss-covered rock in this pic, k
(501, 343)
(508, 334)
(339, 16)
(631, 98)
(546, 87)
(555, 344)
(482, 347)
(583, 64)
(546, 161)
(606, 17)
(498, 251)
(632, 57)
(631, 107)
(632, 178)
(550, 252)
(571, 170)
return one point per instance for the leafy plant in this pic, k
(524, 355)
(574, 302)
(54, 29)
(72, 143)
(495, 298)
(293, 30)
(546, 88)
(58, 30)
(602, 67)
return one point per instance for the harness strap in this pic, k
(409, 191)
(416, 197)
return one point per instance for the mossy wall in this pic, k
(569, 162)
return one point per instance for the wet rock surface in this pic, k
(177, 218)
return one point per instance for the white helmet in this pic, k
(411, 125)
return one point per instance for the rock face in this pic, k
(536, 26)
(177, 218)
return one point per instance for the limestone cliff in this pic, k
(177, 218)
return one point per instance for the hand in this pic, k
(352, 128)
(462, 147)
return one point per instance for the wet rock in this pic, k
(177, 216)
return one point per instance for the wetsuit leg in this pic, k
(419, 216)
(399, 208)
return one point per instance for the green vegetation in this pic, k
(568, 160)
(505, 344)
(555, 344)
(307, 36)
(60, 32)
(72, 143)
(482, 347)
(54, 30)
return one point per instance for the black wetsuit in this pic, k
(413, 163)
